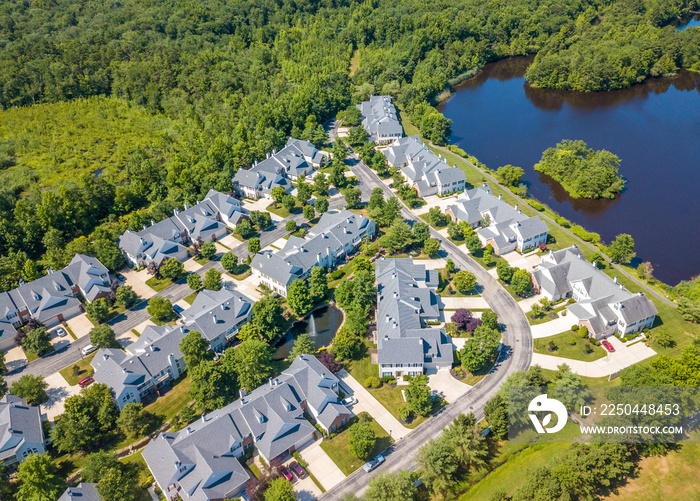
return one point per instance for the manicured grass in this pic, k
(390, 398)
(158, 284)
(255, 470)
(189, 298)
(201, 261)
(31, 356)
(174, 401)
(565, 350)
(544, 317)
(426, 219)
(585, 380)
(338, 450)
(143, 479)
(85, 369)
(70, 331)
(243, 274)
(137, 333)
(169, 320)
(115, 310)
(279, 209)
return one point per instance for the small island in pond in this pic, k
(582, 171)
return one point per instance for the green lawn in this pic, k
(243, 271)
(189, 298)
(426, 219)
(136, 333)
(390, 398)
(115, 310)
(70, 331)
(31, 356)
(174, 401)
(143, 475)
(171, 319)
(544, 317)
(338, 450)
(201, 261)
(158, 284)
(565, 350)
(85, 369)
(279, 209)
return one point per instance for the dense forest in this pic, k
(116, 112)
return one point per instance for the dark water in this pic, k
(653, 127)
(322, 328)
(694, 21)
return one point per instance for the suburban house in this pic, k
(21, 430)
(218, 315)
(603, 305)
(150, 363)
(155, 360)
(54, 297)
(336, 235)
(406, 300)
(428, 173)
(380, 120)
(201, 462)
(297, 159)
(497, 223)
(83, 492)
(207, 220)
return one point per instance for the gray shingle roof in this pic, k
(380, 117)
(19, 424)
(215, 312)
(419, 165)
(84, 492)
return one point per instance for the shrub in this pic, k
(376, 383)
(368, 382)
(336, 274)
(551, 346)
(562, 221)
(571, 301)
(583, 332)
(594, 341)
(536, 205)
(404, 413)
(574, 327)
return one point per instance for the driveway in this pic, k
(556, 326)
(190, 265)
(80, 325)
(623, 357)
(230, 241)
(436, 201)
(137, 281)
(58, 391)
(322, 466)
(60, 342)
(452, 303)
(14, 358)
(526, 304)
(526, 262)
(248, 287)
(305, 488)
(432, 264)
(367, 403)
(446, 386)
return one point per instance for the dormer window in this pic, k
(36, 296)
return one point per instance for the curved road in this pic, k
(515, 355)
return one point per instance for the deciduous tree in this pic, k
(361, 440)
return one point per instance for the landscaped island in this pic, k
(582, 171)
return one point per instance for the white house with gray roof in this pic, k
(54, 297)
(380, 119)
(603, 305)
(298, 158)
(83, 492)
(336, 235)
(21, 430)
(206, 220)
(508, 228)
(422, 169)
(201, 463)
(155, 359)
(406, 300)
(218, 315)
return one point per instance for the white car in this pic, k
(60, 332)
(347, 402)
(88, 349)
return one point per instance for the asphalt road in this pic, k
(130, 319)
(515, 355)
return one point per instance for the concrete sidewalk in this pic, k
(367, 403)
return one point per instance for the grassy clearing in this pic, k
(158, 284)
(84, 370)
(338, 449)
(174, 401)
(390, 398)
(566, 350)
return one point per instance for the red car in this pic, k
(86, 381)
(297, 469)
(608, 346)
(287, 474)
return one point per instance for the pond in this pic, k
(321, 326)
(653, 127)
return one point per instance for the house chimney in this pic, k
(345, 230)
(189, 430)
(516, 206)
(204, 417)
(153, 221)
(595, 264)
(318, 258)
(271, 383)
(175, 212)
(187, 206)
(242, 392)
(615, 279)
(215, 319)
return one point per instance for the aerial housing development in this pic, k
(21, 430)
(201, 462)
(297, 159)
(380, 119)
(336, 236)
(603, 305)
(422, 169)
(498, 224)
(406, 300)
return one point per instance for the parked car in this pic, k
(121, 277)
(86, 381)
(88, 349)
(287, 474)
(60, 332)
(347, 402)
(608, 346)
(373, 463)
(298, 470)
(178, 309)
